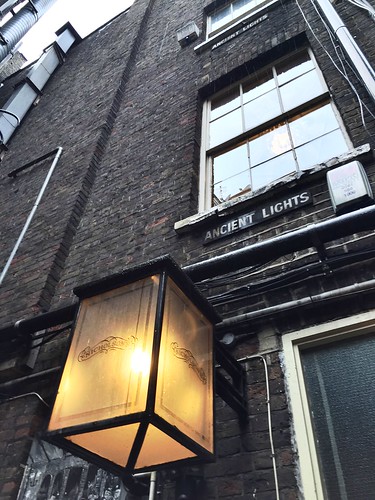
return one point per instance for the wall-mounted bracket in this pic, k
(230, 376)
(230, 381)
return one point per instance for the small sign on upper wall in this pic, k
(348, 186)
(240, 30)
(256, 216)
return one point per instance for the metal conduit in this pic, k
(31, 215)
(28, 378)
(264, 251)
(294, 304)
(17, 27)
(360, 220)
(350, 46)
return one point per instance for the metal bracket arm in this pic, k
(230, 381)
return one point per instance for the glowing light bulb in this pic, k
(140, 362)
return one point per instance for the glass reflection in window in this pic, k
(270, 144)
(230, 163)
(225, 127)
(300, 90)
(225, 103)
(274, 169)
(321, 149)
(261, 110)
(290, 69)
(313, 124)
(276, 122)
(231, 187)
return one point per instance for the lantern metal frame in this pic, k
(165, 267)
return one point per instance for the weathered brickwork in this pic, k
(126, 107)
(19, 424)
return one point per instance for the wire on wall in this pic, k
(364, 4)
(342, 73)
(23, 396)
(269, 418)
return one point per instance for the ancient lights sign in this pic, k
(244, 27)
(256, 216)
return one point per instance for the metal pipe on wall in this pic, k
(17, 27)
(338, 293)
(31, 215)
(350, 46)
(329, 230)
(300, 239)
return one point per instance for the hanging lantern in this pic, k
(136, 391)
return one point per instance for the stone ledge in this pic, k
(250, 18)
(240, 202)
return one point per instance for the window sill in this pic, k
(241, 202)
(236, 28)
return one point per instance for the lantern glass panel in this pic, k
(113, 444)
(184, 395)
(159, 448)
(107, 369)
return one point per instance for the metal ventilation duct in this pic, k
(12, 32)
(16, 107)
(7, 5)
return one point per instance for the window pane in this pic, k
(320, 150)
(225, 128)
(242, 6)
(289, 70)
(261, 109)
(220, 18)
(230, 163)
(256, 111)
(225, 103)
(270, 144)
(339, 381)
(229, 188)
(274, 169)
(302, 89)
(231, 173)
(259, 86)
(314, 124)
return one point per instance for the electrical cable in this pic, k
(23, 395)
(345, 258)
(360, 102)
(363, 4)
(269, 418)
(231, 277)
(344, 73)
(291, 277)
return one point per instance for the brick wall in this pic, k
(126, 108)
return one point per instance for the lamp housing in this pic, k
(136, 392)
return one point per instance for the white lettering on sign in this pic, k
(257, 216)
(239, 31)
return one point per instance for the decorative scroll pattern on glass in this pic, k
(189, 358)
(108, 344)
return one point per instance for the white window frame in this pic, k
(254, 5)
(293, 343)
(205, 178)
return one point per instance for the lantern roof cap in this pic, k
(161, 264)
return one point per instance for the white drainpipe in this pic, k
(31, 215)
(354, 53)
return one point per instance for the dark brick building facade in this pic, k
(153, 161)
